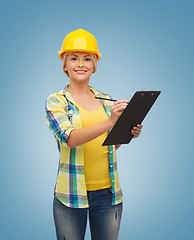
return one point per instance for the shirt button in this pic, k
(111, 165)
(110, 151)
(113, 180)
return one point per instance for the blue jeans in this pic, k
(104, 218)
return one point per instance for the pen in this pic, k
(108, 99)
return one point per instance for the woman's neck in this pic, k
(83, 96)
(79, 89)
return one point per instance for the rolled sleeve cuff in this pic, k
(65, 135)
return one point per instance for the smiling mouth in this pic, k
(80, 71)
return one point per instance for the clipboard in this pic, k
(134, 114)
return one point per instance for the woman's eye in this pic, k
(73, 58)
(87, 59)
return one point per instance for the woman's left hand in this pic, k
(136, 130)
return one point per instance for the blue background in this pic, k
(145, 45)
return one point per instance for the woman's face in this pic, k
(79, 66)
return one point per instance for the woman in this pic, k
(87, 180)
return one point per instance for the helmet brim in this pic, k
(60, 53)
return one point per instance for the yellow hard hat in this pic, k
(81, 41)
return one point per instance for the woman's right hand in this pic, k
(117, 108)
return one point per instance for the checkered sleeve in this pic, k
(57, 119)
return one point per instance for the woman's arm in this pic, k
(117, 146)
(83, 135)
(78, 137)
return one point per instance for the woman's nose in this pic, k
(81, 63)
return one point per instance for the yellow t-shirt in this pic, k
(95, 155)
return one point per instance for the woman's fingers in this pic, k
(117, 109)
(121, 102)
(140, 126)
(136, 130)
(119, 105)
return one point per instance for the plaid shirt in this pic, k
(63, 116)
